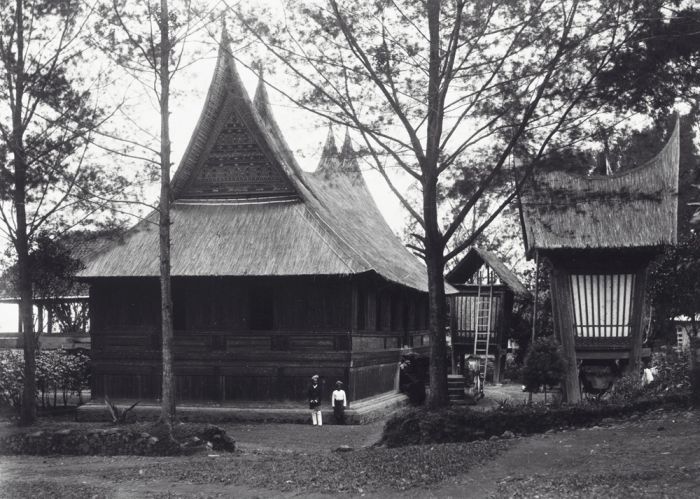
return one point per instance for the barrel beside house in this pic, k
(600, 234)
(277, 274)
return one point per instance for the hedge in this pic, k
(421, 426)
(58, 375)
(136, 439)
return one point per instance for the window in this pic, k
(602, 304)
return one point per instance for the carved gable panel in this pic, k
(235, 166)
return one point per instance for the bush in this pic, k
(672, 376)
(57, 372)
(544, 365)
(421, 426)
(137, 439)
(11, 378)
(513, 370)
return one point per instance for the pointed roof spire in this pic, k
(261, 100)
(348, 157)
(329, 161)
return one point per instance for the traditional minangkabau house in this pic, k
(600, 234)
(484, 303)
(277, 274)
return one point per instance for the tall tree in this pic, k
(48, 114)
(147, 40)
(426, 84)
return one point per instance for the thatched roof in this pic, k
(244, 207)
(474, 260)
(635, 208)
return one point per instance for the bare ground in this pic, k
(657, 455)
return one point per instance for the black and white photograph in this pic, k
(349, 249)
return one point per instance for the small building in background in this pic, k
(684, 330)
(600, 233)
(484, 302)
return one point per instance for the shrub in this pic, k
(626, 389)
(544, 364)
(513, 370)
(11, 377)
(672, 376)
(57, 372)
(137, 439)
(421, 426)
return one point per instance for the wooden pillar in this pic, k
(40, 319)
(562, 313)
(637, 322)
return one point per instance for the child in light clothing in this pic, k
(339, 401)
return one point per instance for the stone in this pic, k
(343, 448)
(508, 434)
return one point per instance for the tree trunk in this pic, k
(438, 396)
(434, 244)
(21, 242)
(167, 414)
(434, 249)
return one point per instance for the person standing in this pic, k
(314, 396)
(339, 402)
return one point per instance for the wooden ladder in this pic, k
(482, 334)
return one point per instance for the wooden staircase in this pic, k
(455, 389)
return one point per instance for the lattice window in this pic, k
(602, 304)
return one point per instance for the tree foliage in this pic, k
(49, 111)
(429, 87)
(675, 282)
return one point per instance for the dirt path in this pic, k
(655, 456)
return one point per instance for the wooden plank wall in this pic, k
(222, 354)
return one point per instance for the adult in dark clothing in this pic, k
(314, 396)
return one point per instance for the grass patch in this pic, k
(357, 472)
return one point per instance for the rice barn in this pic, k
(600, 234)
(482, 306)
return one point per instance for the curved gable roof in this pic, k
(243, 206)
(635, 208)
